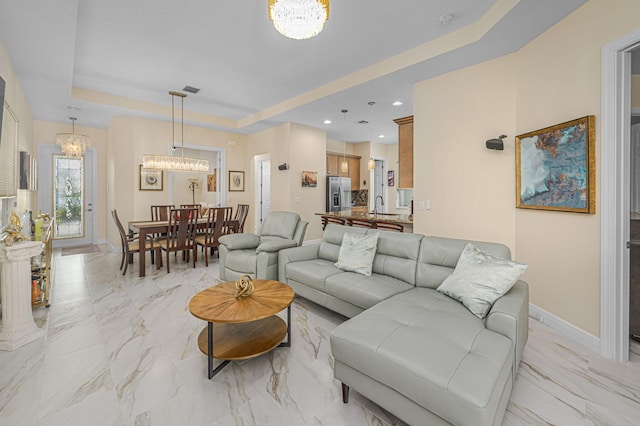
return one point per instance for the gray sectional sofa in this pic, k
(412, 350)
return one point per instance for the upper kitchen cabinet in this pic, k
(334, 163)
(405, 151)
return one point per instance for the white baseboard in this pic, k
(565, 329)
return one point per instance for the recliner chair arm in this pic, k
(272, 245)
(240, 241)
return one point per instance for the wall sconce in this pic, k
(371, 165)
(496, 144)
(283, 166)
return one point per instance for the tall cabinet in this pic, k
(334, 161)
(405, 151)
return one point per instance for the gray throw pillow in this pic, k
(357, 253)
(480, 279)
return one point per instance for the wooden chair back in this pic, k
(121, 231)
(389, 226)
(218, 220)
(326, 219)
(161, 212)
(182, 227)
(241, 216)
(361, 223)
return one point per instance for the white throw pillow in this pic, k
(480, 279)
(357, 253)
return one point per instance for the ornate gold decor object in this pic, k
(244, 286)
(299, 19)
(13, 231)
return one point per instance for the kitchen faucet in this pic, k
(375, 204)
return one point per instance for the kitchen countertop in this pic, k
(363, 215)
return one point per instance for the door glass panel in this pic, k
(68, 196)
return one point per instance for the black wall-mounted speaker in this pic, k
(283, 166)
(495, 144)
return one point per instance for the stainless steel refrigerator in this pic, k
(338, 193)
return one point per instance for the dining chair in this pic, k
(218, 219)
(389, 226)
(360, 223)
(241, 216)
(182, 227)
(160, 212)
(326, 219)
(130, 243)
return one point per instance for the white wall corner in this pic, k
(565, 329)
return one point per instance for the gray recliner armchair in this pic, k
(257, 255)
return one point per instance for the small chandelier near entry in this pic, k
(299, 19)
(175, 163)
(72, 144)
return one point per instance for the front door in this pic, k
(68, 195)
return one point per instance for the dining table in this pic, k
(150, 227)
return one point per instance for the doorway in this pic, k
(378, 187)
(263, 188)
(67, 193)
(615, 199)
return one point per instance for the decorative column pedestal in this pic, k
(17, 327)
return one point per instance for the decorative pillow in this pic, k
(480, 279)
(357, 252)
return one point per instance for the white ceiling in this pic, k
(246, 70)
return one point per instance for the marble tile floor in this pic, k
(122, 351)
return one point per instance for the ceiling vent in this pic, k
(191, 89)
(363, 122)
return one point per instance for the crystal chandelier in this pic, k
(72, 144)
(299, 19)
(175, 163)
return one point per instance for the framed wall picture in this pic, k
(211, 182)
(236, 181)
(391, 178)
(150, 180)
(25, 170)
(555, 167)
(309, 179)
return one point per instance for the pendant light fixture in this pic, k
(299, 19)
(175, 163)
(72, 144)
(344, 167)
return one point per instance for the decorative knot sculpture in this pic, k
(244, 286)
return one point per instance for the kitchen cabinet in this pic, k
(405, 151)
(334, 163)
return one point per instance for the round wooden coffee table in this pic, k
(244, 327)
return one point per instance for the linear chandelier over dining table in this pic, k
(175, 163)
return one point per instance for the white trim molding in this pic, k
(565, 329)
(614, 199)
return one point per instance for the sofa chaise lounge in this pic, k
(414, 351)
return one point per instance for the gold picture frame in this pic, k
(150, 180)
(555, 167)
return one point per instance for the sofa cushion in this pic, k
(363, 291)
(280, 224)
(311, 272)
(242, 261)
(274, 244)
(332, 240)
(480, 279)
(357, 253)
(240, 241)
(432, 350)
(397, 255)
(439, 256)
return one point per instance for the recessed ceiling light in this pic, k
(327, 121)
(381, 136)
(397, 103)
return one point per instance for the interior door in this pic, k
(265, 189)
(66, 192)
(378, 187)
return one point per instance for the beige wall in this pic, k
(14, 97)
(303, 149)
(129, 138)
(553, 79)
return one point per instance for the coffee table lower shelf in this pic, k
(241, 341)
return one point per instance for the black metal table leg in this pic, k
(212, 371)
(287, 344)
